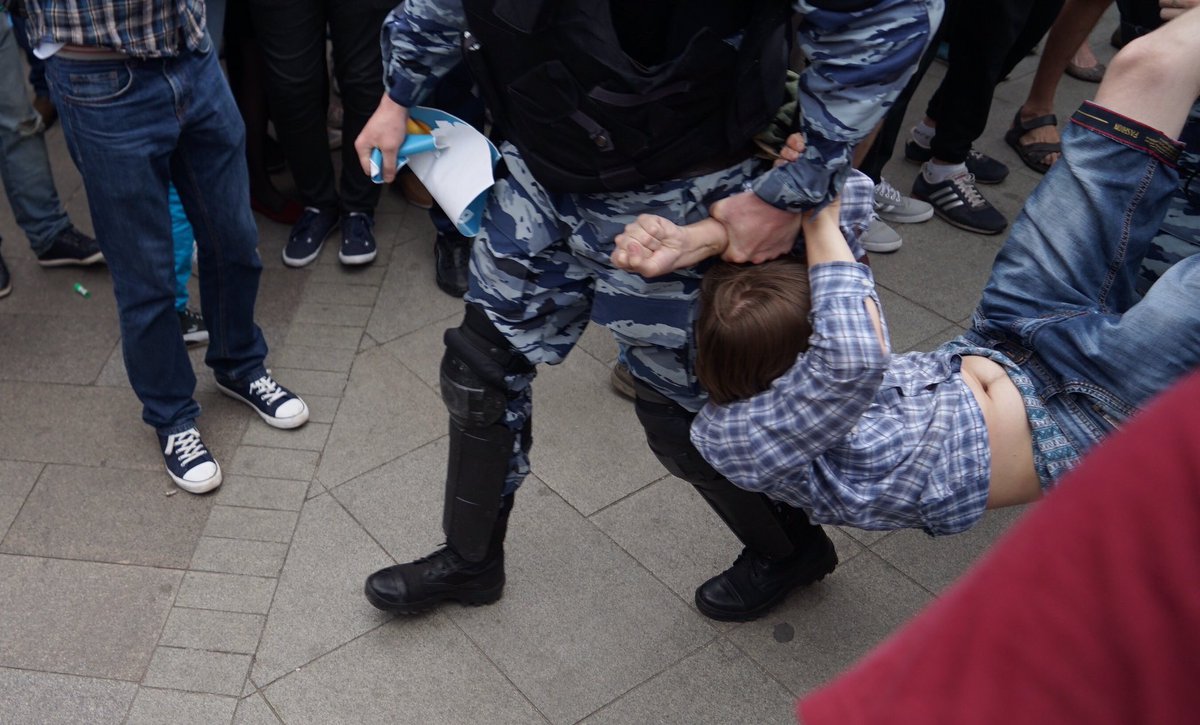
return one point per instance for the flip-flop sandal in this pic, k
(1090, 74)
(1033, 154)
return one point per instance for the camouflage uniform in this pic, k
(540, 267)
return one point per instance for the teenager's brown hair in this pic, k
(753, 323)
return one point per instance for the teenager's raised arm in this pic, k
(769, 442)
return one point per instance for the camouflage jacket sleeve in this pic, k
(420, 41)
(858, 62)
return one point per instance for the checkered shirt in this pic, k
(852, 434)
(139, 28)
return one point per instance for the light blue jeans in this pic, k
(24, 165)
(1062, 299)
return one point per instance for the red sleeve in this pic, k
(1088, 610)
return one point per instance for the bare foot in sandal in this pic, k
(1034, 136)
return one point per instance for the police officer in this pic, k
(611, 109)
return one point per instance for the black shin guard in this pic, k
(473, 386)
(766, 527)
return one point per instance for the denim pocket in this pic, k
(95, 87)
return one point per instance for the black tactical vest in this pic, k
(595, 107)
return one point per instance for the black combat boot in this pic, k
(757, 582)
(443, 576)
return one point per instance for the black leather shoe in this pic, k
(754, 584)
(451, 258)
(440, 577)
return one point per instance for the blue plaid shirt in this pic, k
(852, 434)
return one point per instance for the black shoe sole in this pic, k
(472, 599)
(963, 225)
(824, 568)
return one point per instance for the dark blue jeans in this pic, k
(133, 127)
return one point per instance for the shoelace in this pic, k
(267, 389)
(965, 183)
(303, 228)
(887, 195)
(358, 219)
(186, 446)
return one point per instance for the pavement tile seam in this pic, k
(263, 686)
(207, 695)
(402, 454)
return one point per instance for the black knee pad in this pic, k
(473, 371)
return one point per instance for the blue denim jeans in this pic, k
(133, 127)
(1062, 299)
(24, 165)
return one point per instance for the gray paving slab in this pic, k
(235, 556)
(386, 411)
(588, 445)
(309, 437)
(826, 627)
(206, 629)
(218, 673)
(236, 522)
(334, 273)
(102, 514)
(400, 503)
(155, 707)
(262, 493)
(717, 685)
(254, 710)
(45, 698)
(17, 477)
(329, 314)
(314, 357)
(274, 463)
(944, 275)
(81, 618)
(331, 337)
(581, 621)
(908, 322)
(935, 563)
(318, 605)
(41, 291)
(598, 342)
(75, 353)
(409, 299)
(9, 506)
(669, 529)
(226, 592)
(421, 351)
(96, 426)
(322, 408)
(420, 670)
(340, 293)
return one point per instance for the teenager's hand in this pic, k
(385, 130)
(756, 230)
(793, 148)
(653, 246)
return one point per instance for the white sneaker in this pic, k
(893, 206)
(880, 238)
